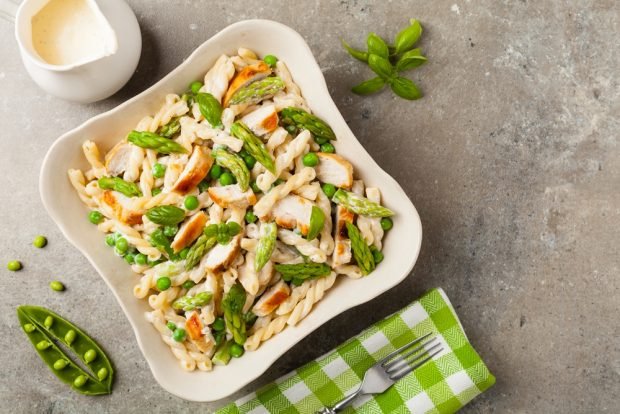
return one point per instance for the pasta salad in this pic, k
(233, 207)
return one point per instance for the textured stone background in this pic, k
(511, 159)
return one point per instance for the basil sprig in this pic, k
(389, 61)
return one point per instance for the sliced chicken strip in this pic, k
(293, 212)
(195, 171)
(189, 231)
(217, 78)
(231, 195)
(342, 249)
(334, 169)
(117, 159)
(122, 206)
(262, 120)
(222, 255)
(249, 74)
(271, 299)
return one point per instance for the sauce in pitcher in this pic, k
(66, 32)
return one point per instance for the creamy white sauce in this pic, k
(65, 32)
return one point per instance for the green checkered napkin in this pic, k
(443, 385)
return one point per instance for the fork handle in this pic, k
(340, 405)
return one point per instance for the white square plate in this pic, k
(402, 243)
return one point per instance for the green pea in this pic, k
(195, 87)
(48, 322)
(141, 259)
(70, 337)
(250, 217)
(250, 161)
(39, 241)
(79, 381)
(271, 60)
(163, 283)
(233, 228)
(171, 326)
(329, 190)
(102, 374)
(57, 286)
(320, 140)
(386, 223)
(203, 186)
(130, 258)
(218, 324)
(14, 265)
(43, 345)
(183, 253)
(29, 327)
(188, 284)
(159, 170)
(226, 178)
(60, 364)
(377, 255)
(95, 217)
(191, 202)
(170, 231)
(211, 230)
(110, 240)
(236, 351)
(255, 187)
(122, 245)
(179, 334)
(216, 171)
(310, 159)
(155, 191)
(90, 355)
(329, 148)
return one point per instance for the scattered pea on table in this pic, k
(39, 242)
(57, 286)
(14, 265)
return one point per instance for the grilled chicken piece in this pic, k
(189, 231)
(342, 249)
(334, 169)
(249, 74)
(194, 326)
(263, 120)
(293, 212)
(117, 159)
(216, 79)
(231, 195)
(195, 171)
(222, 255)
(122, 207)
(271, 299)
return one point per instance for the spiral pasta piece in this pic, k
(305, 247)
(274, 327)
(295, 148)
(315, 293)
(78, 182)
(91, 152)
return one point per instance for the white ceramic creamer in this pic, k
(78, 50)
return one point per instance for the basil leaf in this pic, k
(405, 88)
(370, 86)
(166, 215)
(377, 46)
(210, 108)
(381, 66)
(407, 37)
(357, 54)
(409, 60)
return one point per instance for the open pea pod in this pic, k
(45, 329)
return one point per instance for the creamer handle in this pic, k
(8, 10)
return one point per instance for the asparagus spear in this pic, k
(257, 91)
(235, 164)
(266, 244)
(253, 145)
(188, 303)
(304, 120)
(361, 251)
(360, 205)
(232, 305)
(303, 270)
(120, 185)
(199, 249)
(153, 141)
(222, 354)
(170, 129)
(210, 108)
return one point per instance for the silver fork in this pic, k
(390, 369)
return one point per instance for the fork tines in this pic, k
(397, 364)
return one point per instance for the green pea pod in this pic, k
(166, 215)
(407, 37)
(266, 244)
(189, 303)
(360, 205)
(410, 59)
(370, 86)
(381, 66)
(232, 305)
(317, 220)
(257, 91)
(303, 270)
(210, 108)
(235, 164)
(44, 328)
(377, 46)
(170, 129)
(199, 249)
(118, 184)
(357, 54)
(405, 88)
(253, 145)
(361, 252)
(304, 120)
(150, 140)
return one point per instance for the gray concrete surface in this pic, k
(511, 159)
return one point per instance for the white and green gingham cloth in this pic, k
(441, 386)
